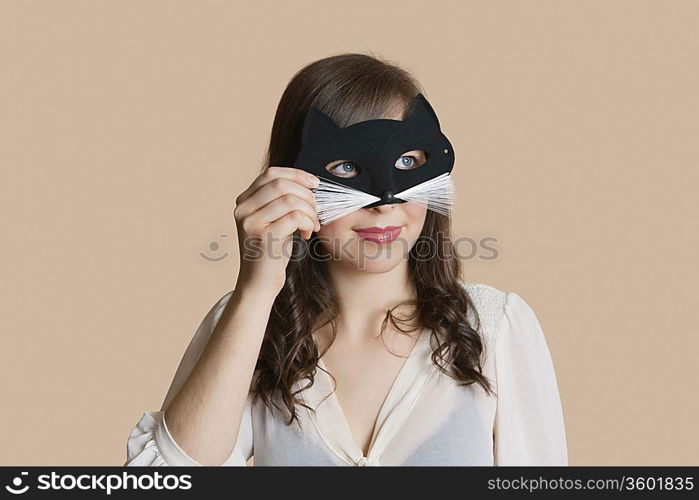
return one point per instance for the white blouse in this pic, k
(426, 418)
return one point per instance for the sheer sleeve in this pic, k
(150, 442)
(529, 426)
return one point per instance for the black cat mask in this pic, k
(374, 151)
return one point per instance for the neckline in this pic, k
(330, 420)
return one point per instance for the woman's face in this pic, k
(356, 239)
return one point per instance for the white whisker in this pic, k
(333, 200)
(436, 194)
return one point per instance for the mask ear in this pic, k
(422, 111)
(317, 126)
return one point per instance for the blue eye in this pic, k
(407, 161)
(345, 169)
(411, 160)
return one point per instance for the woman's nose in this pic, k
(383, 208)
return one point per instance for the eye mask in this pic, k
(374, 148)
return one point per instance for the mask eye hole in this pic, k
(411, 160)
(343, 168)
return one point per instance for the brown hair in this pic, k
(350, 88)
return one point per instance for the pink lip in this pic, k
(379, 234)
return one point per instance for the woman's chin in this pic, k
(379, 267)
(375, 265)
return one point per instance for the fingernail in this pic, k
(315, 182)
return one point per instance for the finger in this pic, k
(281, 206)
(289, 223)
(271, 173)
(272, 190)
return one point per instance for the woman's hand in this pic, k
(277, 203)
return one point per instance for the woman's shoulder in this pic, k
(500, 310)
(483, 291)
(490, 303)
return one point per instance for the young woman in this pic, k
(355, 351)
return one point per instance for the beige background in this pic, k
(128, 128)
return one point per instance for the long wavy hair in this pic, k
(350, 88)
